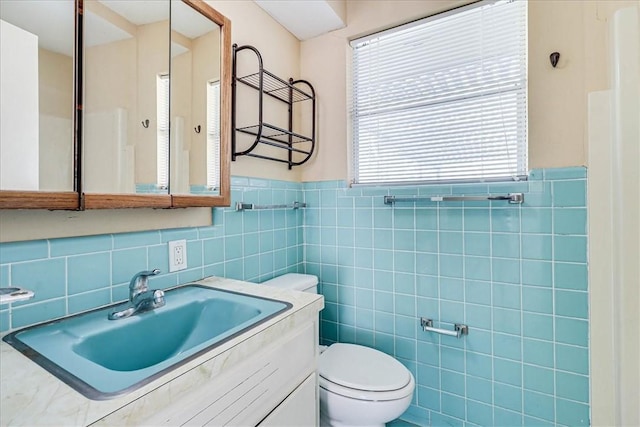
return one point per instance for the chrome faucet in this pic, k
(141, 298)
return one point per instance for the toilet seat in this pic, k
(363, 373)
(370, 396)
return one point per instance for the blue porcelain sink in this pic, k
(104, 358)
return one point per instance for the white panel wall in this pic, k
(107, 154)
(19, 125)
(614, 231)
(625, 40)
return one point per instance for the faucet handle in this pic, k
(139, 282)
(149, 273)
(144, 274)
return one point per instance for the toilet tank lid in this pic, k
(300, 282)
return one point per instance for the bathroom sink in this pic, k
(104, 358)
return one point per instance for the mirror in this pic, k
(126, 80)
(37, 144)
(208, 167)
(195, 102)
(157, 104)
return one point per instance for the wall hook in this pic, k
(197, 129)
(145, 123)
(554, 58)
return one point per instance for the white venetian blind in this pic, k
(443, 98)
(162, 140)
(213, 135)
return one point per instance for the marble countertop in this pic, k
(29, 395)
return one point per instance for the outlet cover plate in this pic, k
(177, 255)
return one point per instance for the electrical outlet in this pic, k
(177, 255)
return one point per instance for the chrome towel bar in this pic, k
(250, 206)
(458, 328)
(513, 198)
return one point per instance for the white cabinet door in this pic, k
(237, 393)
(299, 409)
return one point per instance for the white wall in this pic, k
(56, 125)
(280, 52)
(109, 157)
(19, 143)
(557, 96)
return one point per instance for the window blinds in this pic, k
(443, 98)
(162, 140)
(213, 135)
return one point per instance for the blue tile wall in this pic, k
(515, 274)
(151, 188)
(76, 274)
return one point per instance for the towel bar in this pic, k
(459, 329)
(513, 198)
(250, 206)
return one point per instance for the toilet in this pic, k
(359, 386)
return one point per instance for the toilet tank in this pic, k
(296, 281)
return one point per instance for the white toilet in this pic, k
(359, 386)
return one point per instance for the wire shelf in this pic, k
(274, 133)
(275, 86)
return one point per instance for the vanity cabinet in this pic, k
(298, 409)
(275, 386)
(264, 375)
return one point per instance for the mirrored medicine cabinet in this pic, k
(137, 115)
(37, 112)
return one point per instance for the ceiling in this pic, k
(53, 20)
(306, 19)
(34, 17)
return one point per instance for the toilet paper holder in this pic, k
(458, 328)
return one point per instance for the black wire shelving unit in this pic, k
(289, 93)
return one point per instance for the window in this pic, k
(443, 98)
(162, 141)
(213, 135)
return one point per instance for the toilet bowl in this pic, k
(359, 386)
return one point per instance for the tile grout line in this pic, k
(553, 300)
(522, 385)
